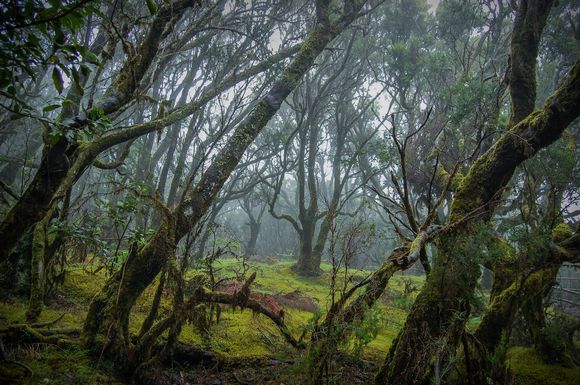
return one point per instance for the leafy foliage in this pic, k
(36, 38)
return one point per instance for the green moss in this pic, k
(81, 284)
(561, 232)
(528, 368)
(15, 313)
(240, 335)
(255, 335)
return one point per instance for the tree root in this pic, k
(37, 333)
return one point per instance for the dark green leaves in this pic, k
(152, 7)
(43, 37)
(51, 107)
(57, 80)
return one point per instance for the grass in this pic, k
(529, 369)
(54, 366)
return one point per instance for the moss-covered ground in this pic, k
(240, 336)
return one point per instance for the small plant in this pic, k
(557, 340)
(365, 331)
(404, 300)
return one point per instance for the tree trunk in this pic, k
(107, 322)
(250, 248)
(106, 325)
(308, 264)
(441, 309)
(32, 205)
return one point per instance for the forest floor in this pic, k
(243, 348)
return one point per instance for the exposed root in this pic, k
(26, 333)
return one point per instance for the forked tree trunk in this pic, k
(441, 309)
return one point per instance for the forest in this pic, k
(290, 192)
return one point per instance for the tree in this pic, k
(323, 109)
(106, 325)
(473, 204)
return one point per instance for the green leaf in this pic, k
(52, 107)
(85, 70)
(57, 80)
(91, 57)
(152, 7)
(70, 103)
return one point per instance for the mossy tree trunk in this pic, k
(335, 328)
(56, 159)
(496, 324)
(441, 308)
(106, 325)
(519, 287)
(529, 23)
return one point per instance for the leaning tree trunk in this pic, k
(106, 325)
(441, 309)
(56, 159)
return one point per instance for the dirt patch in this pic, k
(298, 300)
